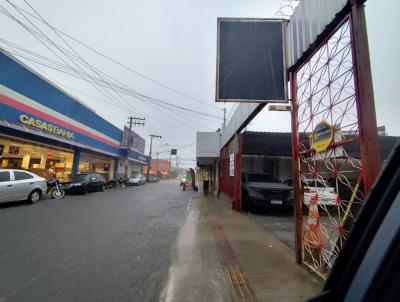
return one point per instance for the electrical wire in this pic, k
(41, 19)
(99, 82)
(112, 85)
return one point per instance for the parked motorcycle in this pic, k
(110, 184)
(54, 189)
(121, 182)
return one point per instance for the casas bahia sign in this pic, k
(45, 126)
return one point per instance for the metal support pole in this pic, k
(298, 200)
(137, 122)
(128, 145)
(169, 168)
(369, 143)
(151, 146)
(149, 165)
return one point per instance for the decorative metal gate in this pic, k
(329, 143)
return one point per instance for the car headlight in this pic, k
(254, 192)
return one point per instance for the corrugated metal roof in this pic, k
(308, 21)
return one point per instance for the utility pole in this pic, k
(169, 167)
(137, 121)
(151, 146)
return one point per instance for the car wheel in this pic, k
(103, 188)
(34, 197)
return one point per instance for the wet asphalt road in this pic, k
(112, 246)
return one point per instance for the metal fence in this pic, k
(333, 165)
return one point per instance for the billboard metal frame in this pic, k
(353, 12)
(284, 23)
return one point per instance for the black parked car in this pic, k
(84, 183)
(265, 191)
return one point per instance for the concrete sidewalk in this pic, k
(222, 255)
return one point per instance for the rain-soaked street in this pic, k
(112, 246)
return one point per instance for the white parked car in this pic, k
(16, 185)
(326, 195)
(137, 180)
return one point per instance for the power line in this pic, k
(82, 74)
(35, 34)
(123, 107)
(61, 68)
(72, 71)
(113, 60)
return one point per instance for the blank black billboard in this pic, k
(250, 60)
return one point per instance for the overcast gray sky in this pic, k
(174, 43)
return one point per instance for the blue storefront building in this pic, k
(45, 130)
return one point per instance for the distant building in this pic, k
(160, 167)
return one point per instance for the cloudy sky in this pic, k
(173, 43)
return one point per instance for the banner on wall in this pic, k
(232, 164)
(138, 143)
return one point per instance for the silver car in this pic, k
(16, 185)
(137, 180)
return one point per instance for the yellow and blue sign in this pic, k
(322, 136)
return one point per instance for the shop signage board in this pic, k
(137, 142)
(139, 157)
(45, 126)
(251, 60)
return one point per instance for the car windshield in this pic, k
(261, 177)
(80, 177)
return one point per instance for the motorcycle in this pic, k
(54, 189)
(110, 184)
(121, 182)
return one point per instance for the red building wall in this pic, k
(230, 185)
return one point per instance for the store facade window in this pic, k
(41, 159)
(89, 163)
